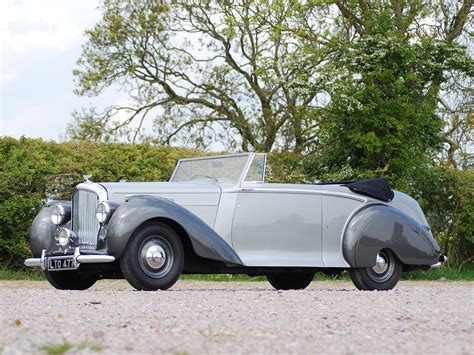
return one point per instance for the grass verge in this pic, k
(59, 349)
(443, 273)
(34, 275)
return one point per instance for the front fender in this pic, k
(42, 229)
(141, 208)
(378, 227)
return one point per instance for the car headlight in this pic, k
(102, 212)
(57, 214)
(63, 236)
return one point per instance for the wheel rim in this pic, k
(156, 257)
(383, 269)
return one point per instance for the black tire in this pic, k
(154, 258)
(383, 276)
(70, 280)
(290, 281)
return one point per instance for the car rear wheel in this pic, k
(383, 276)
(70, 280)
(154, 258)
(290, 281)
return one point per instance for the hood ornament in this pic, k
(86, 178)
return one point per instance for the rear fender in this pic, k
(142, 208)
(378, 227)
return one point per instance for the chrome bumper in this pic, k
(78, 259)
(442, 260)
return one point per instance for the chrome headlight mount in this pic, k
(104, 211)
(58, 214)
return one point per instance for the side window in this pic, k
(257, 169)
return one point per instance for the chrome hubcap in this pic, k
(381, 264)
(156, 257)
(383, 269)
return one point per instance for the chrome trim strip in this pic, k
(345, 195)
(94, 187)
(276, 190)
(218, 156)
(303, 191)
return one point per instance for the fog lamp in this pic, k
(65, 237)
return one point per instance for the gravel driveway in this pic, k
(196, 317)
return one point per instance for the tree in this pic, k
(289, 75)
(390, 68)
(456, 106)
(205, 71)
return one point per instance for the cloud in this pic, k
(6, 77)
(32, 24)
(40, 41)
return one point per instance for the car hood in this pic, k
(187, 192)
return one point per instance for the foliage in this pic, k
(26, 169)
(457, 110)
(446, 195)
(383, 117)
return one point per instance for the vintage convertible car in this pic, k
(217, 215)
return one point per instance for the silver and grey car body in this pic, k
(230, 220)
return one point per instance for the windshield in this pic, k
(224, 168)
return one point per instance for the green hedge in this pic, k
(33, 171)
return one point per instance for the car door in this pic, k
(278, 225)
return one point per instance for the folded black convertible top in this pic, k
(378, 188)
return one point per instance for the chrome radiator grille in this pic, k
(84, 222)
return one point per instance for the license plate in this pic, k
(61, 263)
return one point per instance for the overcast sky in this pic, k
(40, 41)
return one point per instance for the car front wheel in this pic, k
(290, 281)
(154, 258)
(383, 276)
